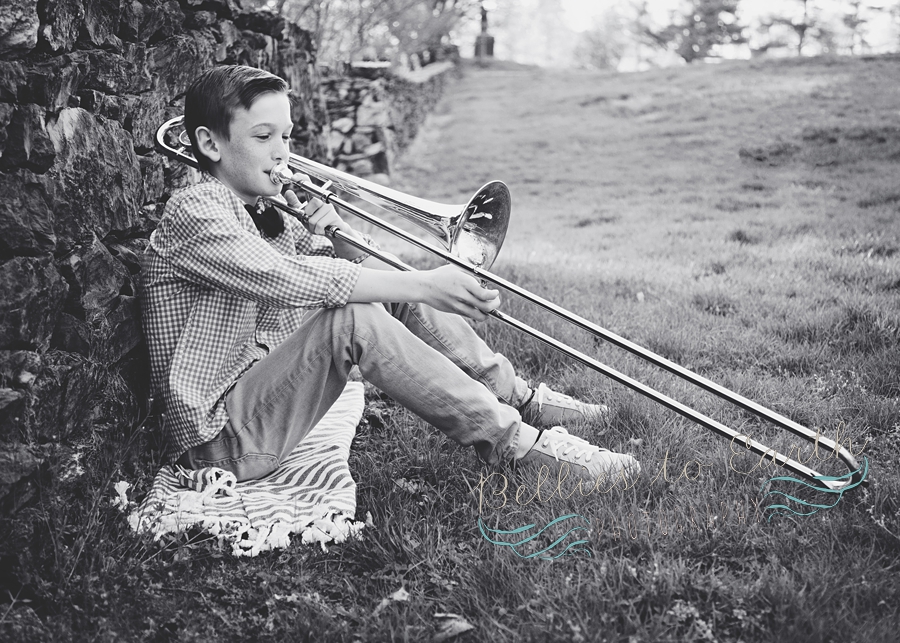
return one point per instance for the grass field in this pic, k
(739, 219)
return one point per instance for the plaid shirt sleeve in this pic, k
(307, 243)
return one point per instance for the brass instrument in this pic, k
(476, 230)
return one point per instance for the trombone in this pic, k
(471, 235)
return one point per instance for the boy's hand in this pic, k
(319, 214)
(453, 290)
(323, 215)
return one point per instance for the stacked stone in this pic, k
(413, 96)
(359, 135)
(374, 114)
(84, 84)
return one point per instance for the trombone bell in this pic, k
(473, 231)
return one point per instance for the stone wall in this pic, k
(374, 113)
(84, 84)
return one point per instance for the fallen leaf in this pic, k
(401, 595)
(407, 485)
(450, 625)
(121, 500)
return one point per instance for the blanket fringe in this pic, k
(312, 495)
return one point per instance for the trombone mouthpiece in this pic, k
(281, 174)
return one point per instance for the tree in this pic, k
(860, 15)
(806, 26)
(373, 29)
(854, 21)
(603, 45)
(697, 30)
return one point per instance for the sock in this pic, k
(528, 437)
(527, 401)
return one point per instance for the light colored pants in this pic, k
(432, 363)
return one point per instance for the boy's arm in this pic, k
(447, 288)
(321, 216)
(306, 243)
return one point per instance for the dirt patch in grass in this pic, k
(715, 304)
(730, 204)
(829, 146)
(741, 236)
(771, 154)
(891, 198)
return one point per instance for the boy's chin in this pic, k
(271, 189)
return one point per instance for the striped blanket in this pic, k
(312, 494)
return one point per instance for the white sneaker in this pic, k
(589, 462)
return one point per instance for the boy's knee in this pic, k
(358, 314)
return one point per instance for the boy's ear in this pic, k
(206, 141)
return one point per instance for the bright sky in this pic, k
(519, 38)
(580, 13)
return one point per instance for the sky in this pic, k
(521, 38)
(880, 33)
(579, 13)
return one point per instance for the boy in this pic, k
(254, 321)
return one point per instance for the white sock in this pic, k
(528, 435)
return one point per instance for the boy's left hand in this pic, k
(320, 215)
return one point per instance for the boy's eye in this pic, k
(262, 137)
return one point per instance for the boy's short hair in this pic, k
(214, 96)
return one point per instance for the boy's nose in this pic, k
(282, 151)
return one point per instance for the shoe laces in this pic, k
(567, 442)
(544, 392)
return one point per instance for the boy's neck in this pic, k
(246, 199)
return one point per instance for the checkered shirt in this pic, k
(217, 297)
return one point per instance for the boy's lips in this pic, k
(280, 174)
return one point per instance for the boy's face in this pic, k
(258, 140)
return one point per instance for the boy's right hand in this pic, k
(453, 290)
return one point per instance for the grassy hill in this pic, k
(739, 219)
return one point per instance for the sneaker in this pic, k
(546, 407)
(590, 462)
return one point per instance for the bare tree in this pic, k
(807, 26)
(855, 22)
(346, 30)
(603, 45)
(697, 30)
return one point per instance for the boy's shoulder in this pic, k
(193, 208)
(206, 191)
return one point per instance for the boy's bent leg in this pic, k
(424, 380)
(452, 336)
(273, 406)
(281, 398)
